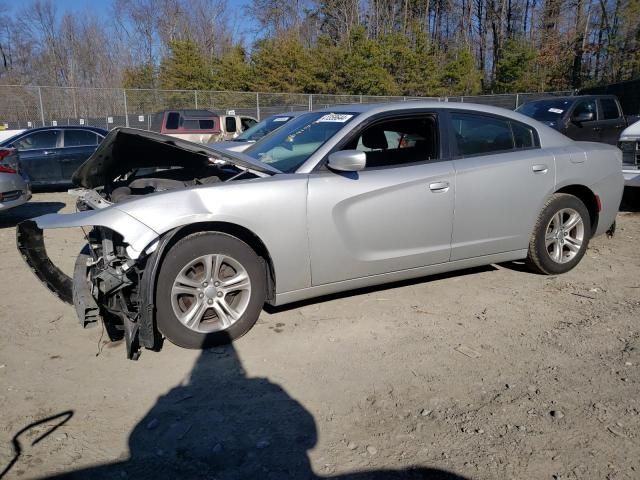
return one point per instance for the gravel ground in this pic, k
(487, 373)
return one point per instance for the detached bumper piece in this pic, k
(30, 240)
(112, 284)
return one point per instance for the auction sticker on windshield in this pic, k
(556, 110)
(334, 117)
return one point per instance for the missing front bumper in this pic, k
(30, 241)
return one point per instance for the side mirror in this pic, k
(583, 117)
(347, 161)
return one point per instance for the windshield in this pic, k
(290, 146)
(260, 129)
(545, 110)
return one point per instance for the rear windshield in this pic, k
(545, 110)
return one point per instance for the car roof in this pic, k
(67, 127)
(374, 108)
(570, 98)
(191, 113)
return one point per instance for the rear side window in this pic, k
(197, 124)
(523, 135)
(609, 109)
(173, 121)
(230, 124)
(479, 135)
(483, 135)
(44, 139)
(79, 138)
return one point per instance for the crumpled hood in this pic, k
(124, 149)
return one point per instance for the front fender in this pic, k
(135, 233)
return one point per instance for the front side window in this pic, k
(38, 140)
(79, 138)
(480, 135)
(585, 106)
(398, 141)
(609, 109)
(288, 147)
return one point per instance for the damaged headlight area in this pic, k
(108, 284)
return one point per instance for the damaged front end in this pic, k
(108, 281)
(114, 275)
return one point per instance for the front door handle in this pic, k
(540, 169)
(439, 187)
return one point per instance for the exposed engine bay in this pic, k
(114, 279)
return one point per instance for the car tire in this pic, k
(561, 235)
(210, 290)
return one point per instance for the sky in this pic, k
(103, 7)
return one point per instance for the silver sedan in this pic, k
(190, 242)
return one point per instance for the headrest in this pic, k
(374, 139)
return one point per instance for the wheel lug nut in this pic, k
(210, 301)
(204, 284)
(219, 294)
(201, 295)
(216, 284)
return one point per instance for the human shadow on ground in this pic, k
(224, 425)
(12, 217)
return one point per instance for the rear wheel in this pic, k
(211, 289)
(561, 235)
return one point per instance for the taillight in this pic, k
(5, 152)
(6, 169)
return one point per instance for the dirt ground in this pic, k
(487, 373)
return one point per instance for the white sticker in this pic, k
(281, 119)
(109, 119)
(82, 121)
(555, 110)
(141, 118)
(54, 123)
(6, 125)
(29, 124)
(231, 112)
(335, 117)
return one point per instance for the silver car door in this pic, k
(498, 194)
(378, 221)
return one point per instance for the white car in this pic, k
(630, 145)
(14, 187)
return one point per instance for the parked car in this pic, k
(322, 205)
(200, 126)
(14, 186)
(50, 155)
(630, 146)
(595, 118)
(257, 131)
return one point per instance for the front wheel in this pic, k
(561, 235)
(210, 291)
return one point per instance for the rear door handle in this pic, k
(540, 169)
(439, 187)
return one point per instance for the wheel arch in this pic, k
(588, 197)
(149, 334)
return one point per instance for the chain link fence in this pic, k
(30, 106)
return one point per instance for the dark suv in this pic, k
(594, 118)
